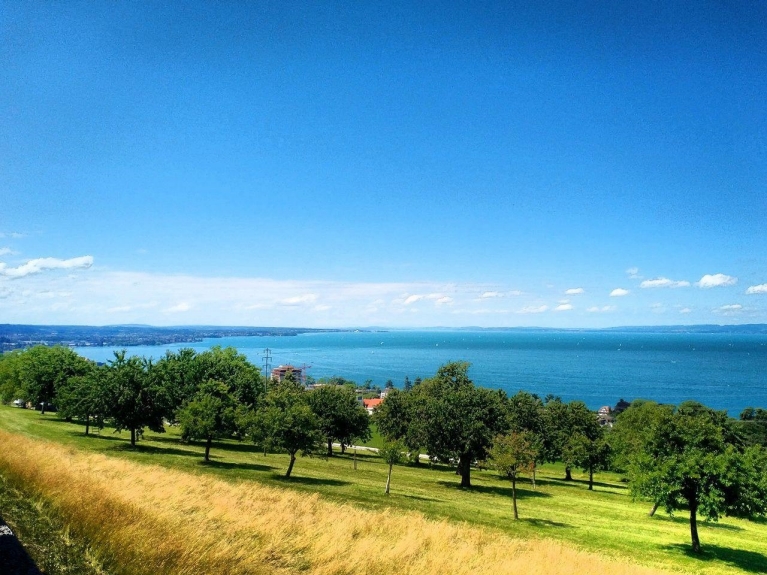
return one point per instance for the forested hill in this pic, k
(21, 336)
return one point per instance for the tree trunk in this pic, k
(694, 527)
(514, 495)
(568, 473)
(87, 423)
(591, 479)
(388, 479)
(330, 447)
(654, 509)
(355, 458)
(464, 466)
(343, 448)
(535, 467)
(292, 461)
(207, 448)
(133, 436)
(42, 410)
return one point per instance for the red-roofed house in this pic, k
(371, 404)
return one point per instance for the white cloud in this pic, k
(633, 273)
(574, 291)
(717, 280)
(664, 282)
(603, 309)
(761, 288)
(413, 298)
(443, 300)
(298, 300)
(685, 310)
(731, 307)
(533, 309)
(563, 307)
(5, 292)
(322, 307)
(39, 265)
(515, 292)
(489, 294)
(619, 292)
(181, 307)
(6, 252)
(14, 235)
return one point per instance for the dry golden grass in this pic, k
(147, 519)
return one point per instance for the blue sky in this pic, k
(354, 164)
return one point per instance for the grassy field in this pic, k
(604, 522)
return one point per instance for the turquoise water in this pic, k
(724, 371)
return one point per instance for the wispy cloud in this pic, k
(761, 288)
(298, 300)
(717, 280)
(533, 309)
(730, 308)
(633, 273)
(39, 265)
(563, 307)
(181, 307)
(619, 292)
(6, 252)
(685, 310)
(491, 294)
(663, 283)
(603, 309)
(14, 235)
(574, 291)
(411, 299)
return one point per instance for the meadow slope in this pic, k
(157, 508)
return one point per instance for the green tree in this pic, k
(11, 385)
(526, 413)
(392, 454)
(591, 454)
(512, 455)
(44, 369)
(752, 425)
(691, 460)
(340, 417)
(459, 419)
(398, 419)
(180, 376)
(84, 397)
(232, 368)
(134, 399)
(285, 422)
(562, 422)
(209, 415)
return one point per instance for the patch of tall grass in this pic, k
(148, 519)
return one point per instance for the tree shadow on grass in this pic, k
(545, 523)
(243, 466)
(522, 493)
(152, 450)
(95, 435)
(702, 524)
(580, 483)
(750, 561)
(420, 498)
(308, 481)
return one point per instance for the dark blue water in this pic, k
(724, 371)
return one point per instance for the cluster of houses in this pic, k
(363, 395)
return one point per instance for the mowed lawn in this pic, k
(605, 521)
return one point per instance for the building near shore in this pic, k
(279, 373)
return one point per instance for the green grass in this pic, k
(605, 520)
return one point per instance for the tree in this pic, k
(590, 454)
(526, 413)
(389, 384)
(391, 453)
(459, 420)
(11, 385)
(407, 386)
(179, 375)
(340, 417)
(134, 399)
(232, 368)
(84, 397)
(286, 422)
(209, 415)
(563, 421)
(398, 419)
(511, 455)
(753, 426)
(691, 460)
(44, 369)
